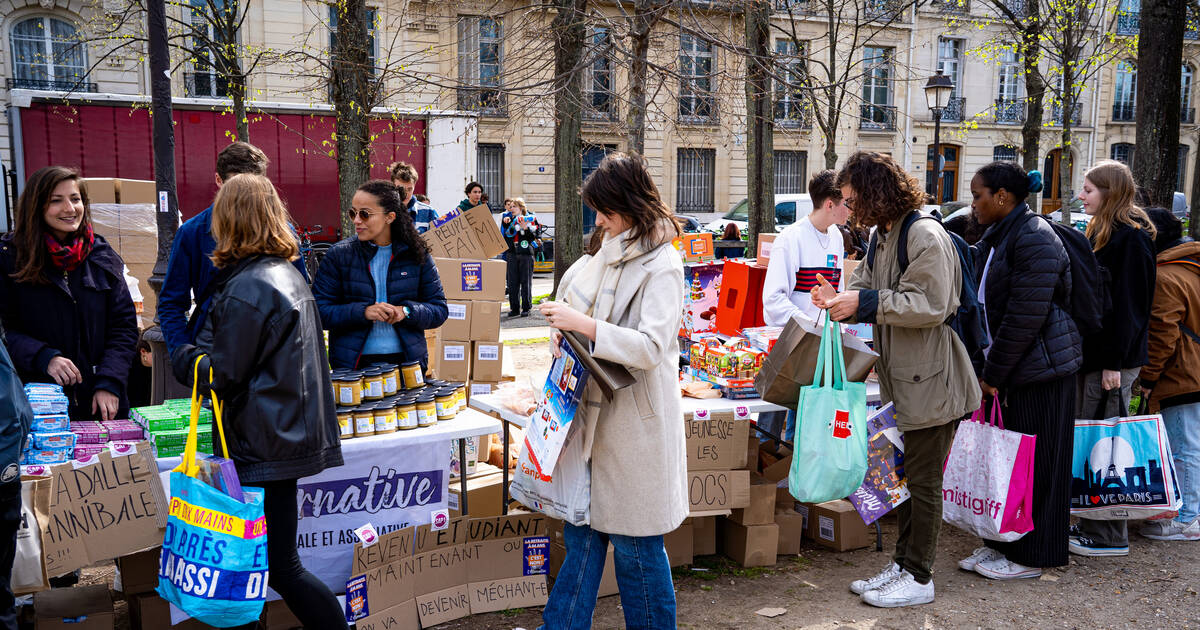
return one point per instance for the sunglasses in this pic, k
(361, 214)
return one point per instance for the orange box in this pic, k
(695, 247)
(739, 304)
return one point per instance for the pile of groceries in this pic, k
(55, 439)
(385, 398)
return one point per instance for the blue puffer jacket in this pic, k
(344, 289)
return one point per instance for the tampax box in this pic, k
(487, 360)
(458, 320)
(485, 321)
(454, 360)
(472, 279)
(837, 525)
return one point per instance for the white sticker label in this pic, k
(164, 201)
(489, 353)
(765, 248)
(478, 389)
(367, 535)
(803, 510)
(700, 414)
(439, 520)
(457, 311)
(825, 527)
(454, 353)
(741, 413)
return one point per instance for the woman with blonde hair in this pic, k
(262, 340)
(520, 230)
(1122, 236)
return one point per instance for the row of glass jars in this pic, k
(372, 384)
(436, 401)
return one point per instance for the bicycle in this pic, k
(312, 253)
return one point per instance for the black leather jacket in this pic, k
(264, 342)
(1034, 339)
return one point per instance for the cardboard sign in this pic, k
(440, 584)
(472, 235)
(402, 616)
(427, 538)
(391, 584)
(717, 440)
(718, 490)
(511, 526)
(390, 548)
(101, 510)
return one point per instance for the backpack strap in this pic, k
(902, 243)
(1189, 332)
(1182, 261)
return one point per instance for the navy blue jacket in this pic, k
(189, 272)
(344, 289)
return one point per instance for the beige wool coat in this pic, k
(637, 445)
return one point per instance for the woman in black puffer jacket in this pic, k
(262, 339)
(1034, 355)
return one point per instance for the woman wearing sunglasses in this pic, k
(379, 290)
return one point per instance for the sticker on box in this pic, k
(454, 353)
(536, 556)
(472, 276)
(356, 599)
(489, 352)
(456, 311)
(825, 527)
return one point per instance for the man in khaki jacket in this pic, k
(923, 367)
(1171, 378)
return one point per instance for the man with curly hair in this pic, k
(923, 367)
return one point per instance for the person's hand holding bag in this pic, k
(561, 316)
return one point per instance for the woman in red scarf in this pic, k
(63, 299)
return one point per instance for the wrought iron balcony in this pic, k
(205, 85)
(1187, 116)
(951, 6)
(599, 106)
(1010, 112)
(877, 117)
(798, 7)
(1124, 112)
(955, 109)
(51, 85)
(487, 101)
(1129, 23)
(882, 10)
(1056, 114)
(1019, 8)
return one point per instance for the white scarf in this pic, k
(593, 291)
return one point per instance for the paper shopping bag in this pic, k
(792, 363)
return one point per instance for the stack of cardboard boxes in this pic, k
(123, 213)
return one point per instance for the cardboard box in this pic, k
(608, 579)
(715, 440)
(679, 545)
(510, 563)
(101, 189)
(805, 510)
(440, 583)
(485, 321)
(139, 572)
(761, 510)
(454, 360)
(472, 279)
(458, 320)
(481, 388)
(148, 611)
(749, 545)
(78, 608)
(718, 490)
(137, 191)
(791, 531)
(704, 535)
(702, 282)
(485, 495)
(487, 360)
(402, 616)
(695, 247)
(433, 340)
(471, 235)
(765, 242)
(837, 525)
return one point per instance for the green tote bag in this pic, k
(830, 458)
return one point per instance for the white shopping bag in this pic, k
(568, 494)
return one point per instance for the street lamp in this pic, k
(937, 96)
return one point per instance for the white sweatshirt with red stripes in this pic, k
(798, 254)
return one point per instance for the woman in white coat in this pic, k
(626, 299)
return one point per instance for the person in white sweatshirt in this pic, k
(810, 246)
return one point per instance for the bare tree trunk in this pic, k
(1035, 88)
(833, 104)
(237, 93)
(641, 23)
(569, 35)
(1069, 97)
(1158, 97)
(760, 122)
(351, 77)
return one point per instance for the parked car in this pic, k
(691, 224)
(788, 210)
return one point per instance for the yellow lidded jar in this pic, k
(426, 410)
(364, 421)
(391, 378)
(373, 384)
(411, 374)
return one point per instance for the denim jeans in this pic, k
(643, 577)
(1183, 429)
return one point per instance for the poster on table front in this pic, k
(388, 486)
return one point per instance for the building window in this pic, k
(696, 176)
(791, 169)
(1010, 106)
(1123, 153)
(599, 102)
(1186, 113)
(48, 55)
(491, 173)
(1129, 17)
(1181, 169)
(947, 188)
(950, 63)
(373, 46)
(1125, 92)
(877, 111)
(205, 79)
(480, 64)
(1004, 153)
(696, 68)
(791, 108)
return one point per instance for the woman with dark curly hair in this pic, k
(923, 367)
(379, 290)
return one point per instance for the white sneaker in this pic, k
(858, 587)
(901, 590)
(1005, 569)
(982, 554)
(1171, 529)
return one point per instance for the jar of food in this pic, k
(385, 417)
(348, 389)
(411, 374)
(460, 391)
(426, 410)
(406, 414)
(372, 384)
(391, 378)
(446, 404)
(345, 417)
(364, 420)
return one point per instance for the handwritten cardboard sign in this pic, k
(402, 616)
(718, 490)
(473, 235)
(391, 547)
(716, 440)
(101, 510)
(441, 584)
